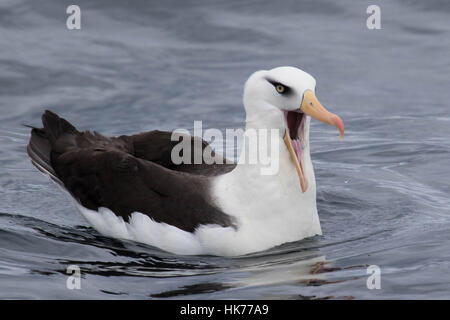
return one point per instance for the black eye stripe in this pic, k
(287, 90)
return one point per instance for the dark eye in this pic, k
(280, 88)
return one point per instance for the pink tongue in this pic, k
(298, 149)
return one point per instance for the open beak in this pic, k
(294, 135)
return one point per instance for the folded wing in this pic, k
(127, 174)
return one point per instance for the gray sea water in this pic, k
(383, 192)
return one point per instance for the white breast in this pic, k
(269, 209)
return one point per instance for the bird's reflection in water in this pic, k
(199, 288)
(299, 264)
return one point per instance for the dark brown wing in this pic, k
(156, 146)
(125, 174)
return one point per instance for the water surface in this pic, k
(383, 192)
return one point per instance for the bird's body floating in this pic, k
(130, 187)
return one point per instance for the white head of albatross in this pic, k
(274, 209)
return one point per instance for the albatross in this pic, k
(129, 187)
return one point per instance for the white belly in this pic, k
(270, 210)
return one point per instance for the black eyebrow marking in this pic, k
(287, 90)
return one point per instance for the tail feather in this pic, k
(40, 145)
(39, 150)
(55, 126)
